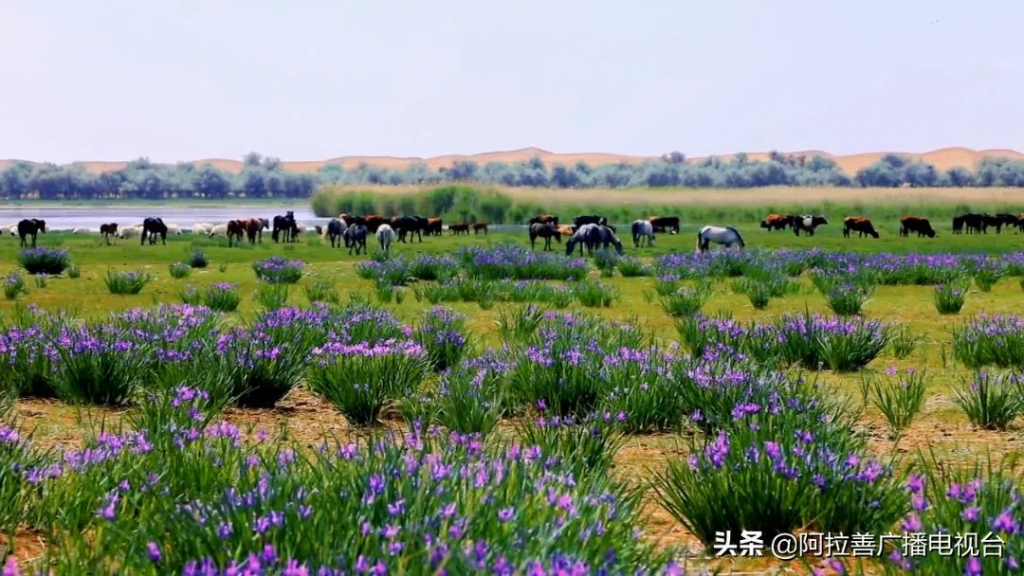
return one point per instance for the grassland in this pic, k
(940, 427)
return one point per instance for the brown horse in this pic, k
(545, 231)
(108, 230)
(254, 228)
(460, 228)
(478, 226)
(236, 228)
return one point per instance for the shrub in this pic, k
(991, 401)
(586, 445)
(988, 273)
(42, 280)
(990, 340)
(950, 298)
(16, 490)
(180, 270)
(272, 296)
(321, 290)
(190, 295)
(606, 260)
(278, 270)
(222, 297)
(126, 282)
(903, 342)
(360, 379)
(100, 364)
(666, 284)
(427, 267)
(443, 335)
(759, 293)
(29, 352)
(74, 272)
(471, 398)
(631, 267)
(171, 413)
(686, 301)
(595, 294)
(43, 261)
(519, 323)
(518, 263)
(846, 298)
(197, 259)
(899, 400)
(641, 389)
(14, 285)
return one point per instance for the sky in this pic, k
(310, 80)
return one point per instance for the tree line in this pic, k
(264, 177)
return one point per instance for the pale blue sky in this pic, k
(303, 79)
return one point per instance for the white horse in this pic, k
(386, 237)
(643, 229)
(719, 235)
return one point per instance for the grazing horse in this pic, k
(434, 226)
(254, 228)
(668, 224)
(236, 229)
(605, 235)
(958, 224)
(643, 230)
(386, 237)
(776, 222)
(807, 223)
(545, 231)
(588, 235)
(373, 221)
(31, 227)
(108, 230)
(590, 219)
(287, 225)
(917, 224)
(1000, 220)
(459, 228)
(860, 225)
(151, 227)
(336, 232)
(725, 235)
(409, 225)
(478, 226)
(355, 237)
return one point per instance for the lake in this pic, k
(91, 217)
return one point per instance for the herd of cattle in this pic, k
(972, 223)
(588, 231)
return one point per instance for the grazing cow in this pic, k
(975, 223)
(860, 225)
(545, 231)
(917, 224)
(386, 237)
(459, 228)
(409, 225)
(235, 229)
(372, 222)
(777, 222)
(958, 224)
(668, 224)
(285, 228)
(544, 219)
(590, 219)
(478, 226)
(108, 230)
(643, 230)
(725, 235)
(30, 227)
(434, 226)
(355, 237)
(151, 227)
(807, 223)
(336, 231)
(566, 230)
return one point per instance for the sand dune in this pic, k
(943, 159)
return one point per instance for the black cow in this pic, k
(917, 224)
(31, 227)
(591, 219)
(807, 223)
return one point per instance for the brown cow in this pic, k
(544, 219)
(478, 226)
(663, 224)
(434, 226)
(460, 228)
(917, 224)
(776, 222)
(860, 225)
(374, 221)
